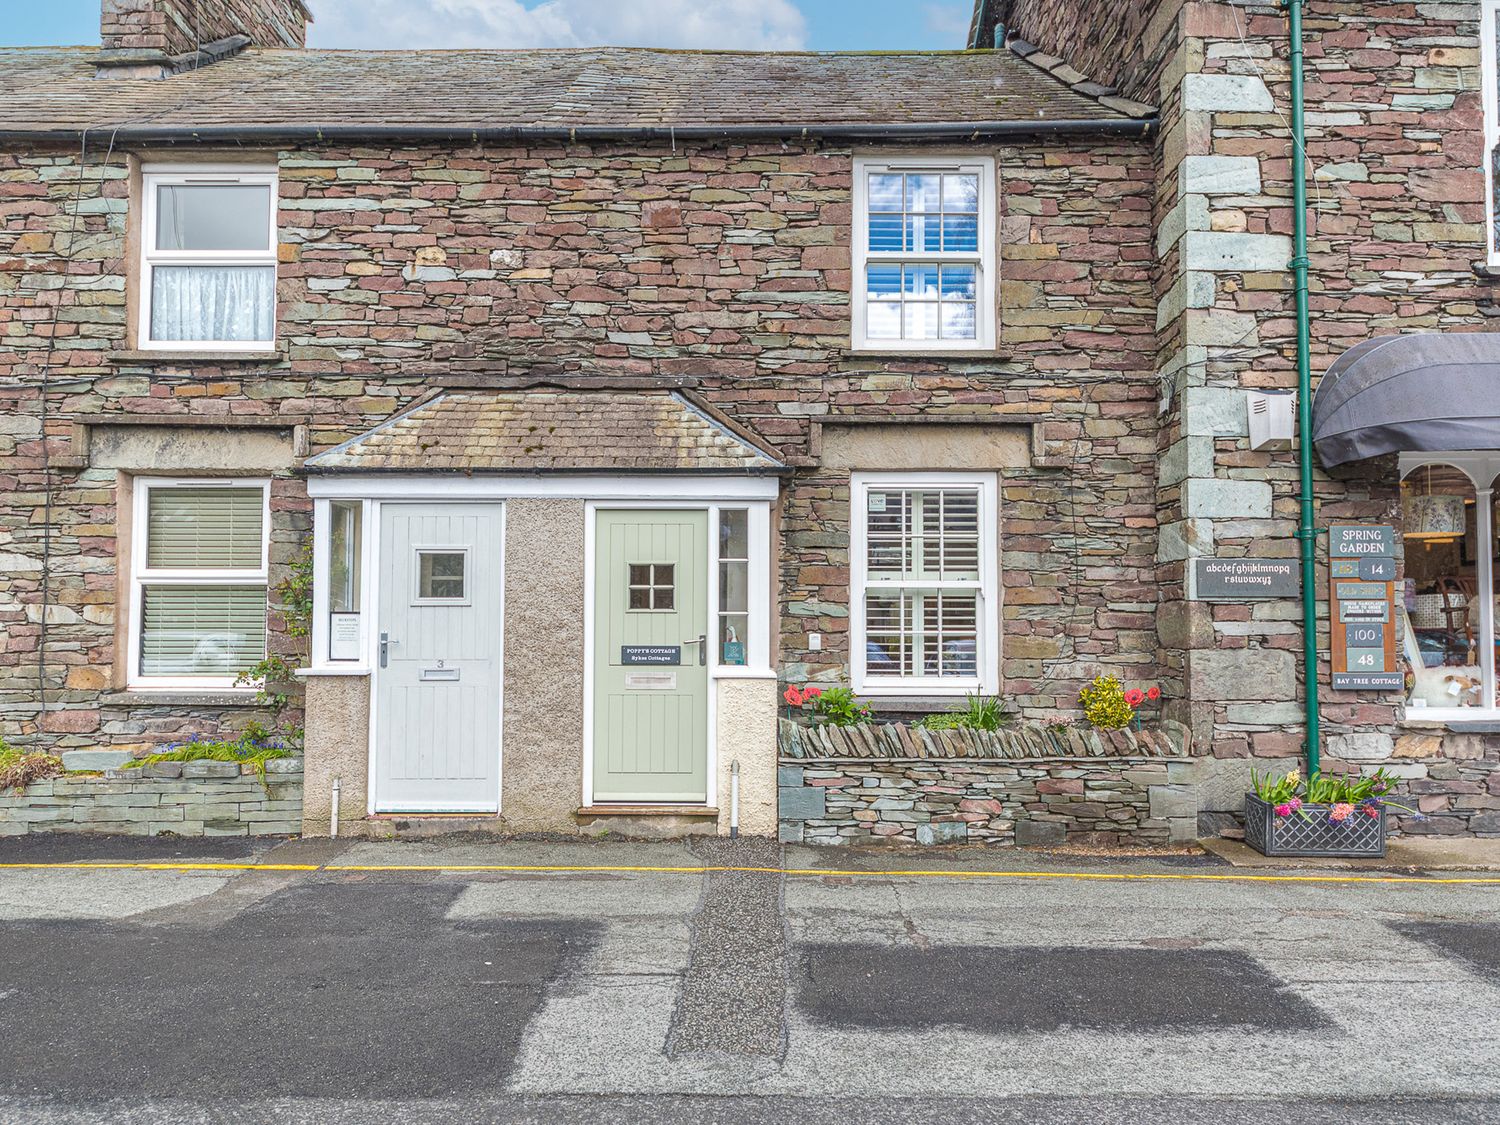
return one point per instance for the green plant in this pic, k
(838, 707)
(979, 713)
(1104, 704)
(255, 746)
(1341, 794)
(19, 768)
(267, 676)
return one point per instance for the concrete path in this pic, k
(723, 981)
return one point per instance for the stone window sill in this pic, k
(647, 810)
(925, 356)
(1457, 726)
(180, 699)
(171, 358)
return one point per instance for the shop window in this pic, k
(1448, 634)
(923, 583)
(924, 257)
(208, 260)
(199, 575)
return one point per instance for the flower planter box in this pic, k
(1309, 832)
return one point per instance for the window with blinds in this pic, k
(920, 601)
(200, 582)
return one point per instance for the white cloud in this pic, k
(950, 20)
(401, 24)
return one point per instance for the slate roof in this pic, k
(556, 431)
(54, 89)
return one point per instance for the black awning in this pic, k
(1396, 394)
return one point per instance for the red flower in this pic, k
(1153, 693)
(1135, 697)
(792, 696)
(809, 693)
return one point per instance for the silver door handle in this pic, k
(701, 640)
(385, 648)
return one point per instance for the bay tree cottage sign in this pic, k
(1362, 605)
(1246, 579)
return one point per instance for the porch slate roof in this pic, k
(554, 431)
(46, 89)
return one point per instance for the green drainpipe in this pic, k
(1305, 529)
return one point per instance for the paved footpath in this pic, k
(728, 982)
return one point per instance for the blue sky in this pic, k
(750, 24)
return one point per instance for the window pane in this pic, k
(885, 232)
(734, 628)
(883, 320)
(204, 528)
(640, 598)
(958, 322)
(213, 217)
(961, 193)
(234, 304)
(1440, 528)
(919, 322)
(214, 631)
(883, 281)
(885, 191)
(959, 281)
(734, 533)
(640, 574)
(920, 281)
(961, 232)
(924, 192)
(734, 587)
(440, 574)
(343, 556)
(924, 233)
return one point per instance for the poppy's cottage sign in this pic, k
(1362, 589)
(1246, 579)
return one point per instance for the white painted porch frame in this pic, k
(709, 493)
(1481, 468)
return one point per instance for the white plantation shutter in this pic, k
(202, 582)
(214, 631)
(205, 528)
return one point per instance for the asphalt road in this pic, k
(371, 982)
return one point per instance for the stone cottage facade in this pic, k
(614, 391)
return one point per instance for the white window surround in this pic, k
(1489, 14)
(154, 176)
(985, 258)
(1482, 469)
(987, 644)
(142, 575)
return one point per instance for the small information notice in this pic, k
(1362, 588)
(651, 654)
(1247, 579)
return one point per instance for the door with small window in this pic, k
(438, 654)
(651, 638)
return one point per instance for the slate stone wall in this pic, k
(183, 799)
(407, 268)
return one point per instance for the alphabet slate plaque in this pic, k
(1247, 579)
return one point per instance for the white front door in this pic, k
(437, 681)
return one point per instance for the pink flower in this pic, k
(1153, 693)
(1283, 810)
(809, 693)
(1340, 812)
(792, 696)
(1135, 697)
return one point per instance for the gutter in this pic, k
(914, 131)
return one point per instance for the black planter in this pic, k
(1309, 832)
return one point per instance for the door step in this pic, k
(647, 810)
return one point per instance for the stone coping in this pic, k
(1019, 742)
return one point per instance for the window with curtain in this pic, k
(199, 582)
(923, 572)
(924, 255)
(209, 260)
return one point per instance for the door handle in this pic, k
(701, 640)
(385, 648)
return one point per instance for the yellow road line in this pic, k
(808, 872)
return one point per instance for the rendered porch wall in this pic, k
(336, 745)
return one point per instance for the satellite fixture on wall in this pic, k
(1271, 418)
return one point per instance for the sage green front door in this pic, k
(650, 656)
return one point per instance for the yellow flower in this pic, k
(1294, 777)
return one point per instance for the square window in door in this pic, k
(442, 575)
(652, 586)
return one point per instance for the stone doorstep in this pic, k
(1403, 853)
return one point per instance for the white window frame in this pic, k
(420, 549)
(155, 176)
(987, 642)
(142, 575)
(1489, 67)
(984, 258)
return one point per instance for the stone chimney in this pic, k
(154, 38)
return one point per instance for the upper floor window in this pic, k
(208, 260)
(1489, 42)
(924, 254)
